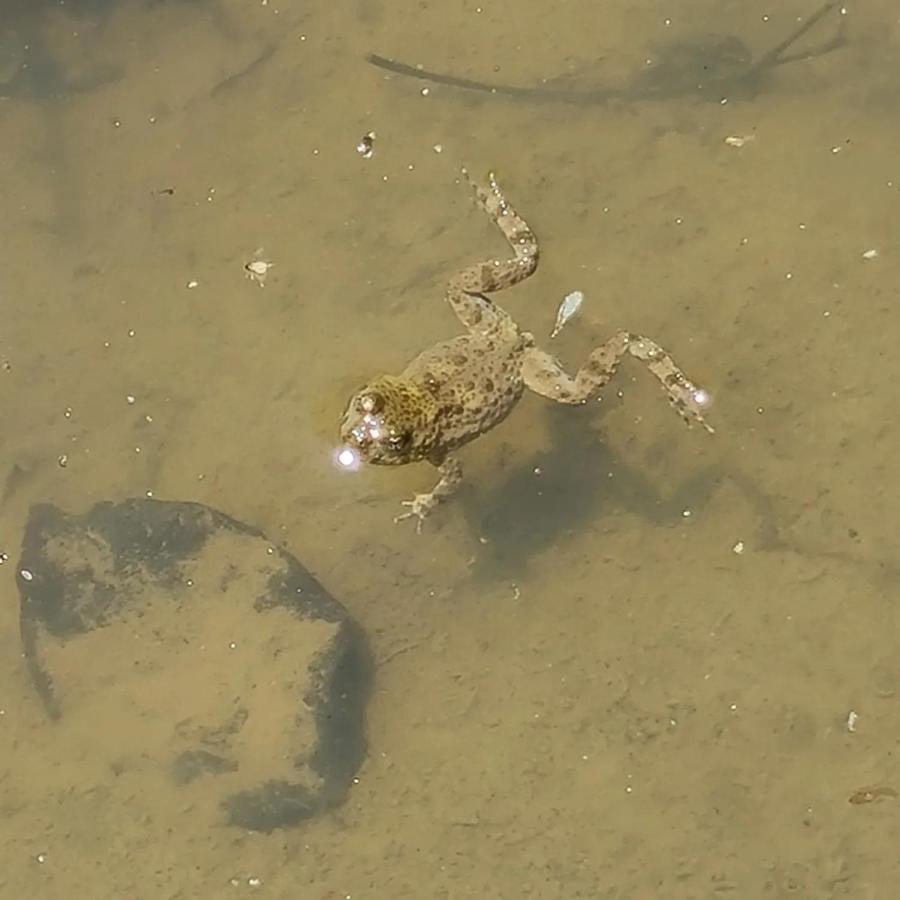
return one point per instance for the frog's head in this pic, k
(387, 423)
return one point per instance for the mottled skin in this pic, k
(461, 388)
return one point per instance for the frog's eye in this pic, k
(371, 403)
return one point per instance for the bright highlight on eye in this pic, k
(702, 398)
(347, 458)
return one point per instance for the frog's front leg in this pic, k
(421, 505)
(545, 375)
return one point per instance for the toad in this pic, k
(461, 388)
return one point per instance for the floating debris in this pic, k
(870, 795)
(734, 140)
(570, 305)
(366, 147)
(870, 254)
(257, 269)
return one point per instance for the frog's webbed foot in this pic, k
(422, 504)
(544, 375)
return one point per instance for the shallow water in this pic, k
(583, 690)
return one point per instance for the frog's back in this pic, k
(476, 380)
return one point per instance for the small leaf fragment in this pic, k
(570, 305)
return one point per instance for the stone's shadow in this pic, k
(193, 641)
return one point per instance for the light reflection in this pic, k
(347, 458)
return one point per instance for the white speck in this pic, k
(733, 707)
(570, 305)
(789, 275)
(41, 857)
(129, 398)
(735, 140)
(425, 92)
(253, 881)
(538, 470)
(193, 284)
(232, 645)
(738, 548)
(870, 254)
(438, 148)
(26, 575)
(836, 149)
(63, 460)
(686, 513)
(852, 719)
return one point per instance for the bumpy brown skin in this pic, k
(461, 388)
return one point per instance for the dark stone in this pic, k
(209, 650)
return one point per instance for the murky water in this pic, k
(583, 690)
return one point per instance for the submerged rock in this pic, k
(182, 642)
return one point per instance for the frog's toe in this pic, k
(419, 507)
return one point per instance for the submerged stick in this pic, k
(768, 60)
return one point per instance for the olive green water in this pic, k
(584, 690)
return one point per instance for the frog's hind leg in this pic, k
(545, 376)
(465, 291)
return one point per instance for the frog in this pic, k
(462, 387)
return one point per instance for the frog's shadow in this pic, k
(578, 481)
